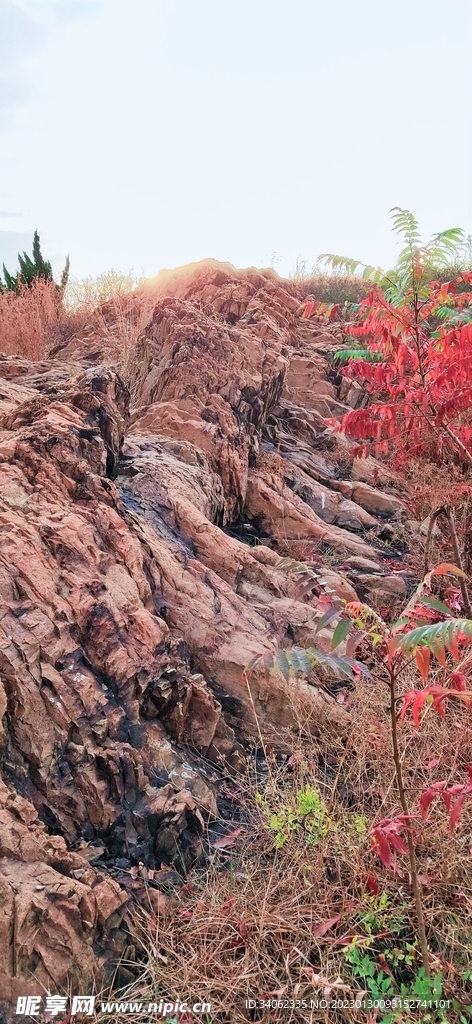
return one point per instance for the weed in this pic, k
(306, 813)
(365, 969)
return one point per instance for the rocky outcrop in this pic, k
(142, 517)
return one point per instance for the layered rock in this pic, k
(143, 515)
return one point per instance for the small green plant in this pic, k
(304, 815)
(423, 991)
(423, 987)
(397, 957)
(357, 826)
(366, 970)
(372, 920)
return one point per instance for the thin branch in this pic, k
(458, 558)
(411, 846)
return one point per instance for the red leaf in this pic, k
(423, 658)
(397, 842)
(428, 796)
(438, 700)
(459, 680)
(418, 704)
(447, 799)
(448, 567)
(454, 647)
(310, 306)
(372, 884)
(440, 655)
(455, 813)
(320, 929)
(243, 930)
(407, 700)
(382, 847)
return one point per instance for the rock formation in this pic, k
(143, 515)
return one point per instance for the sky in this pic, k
(142, 134)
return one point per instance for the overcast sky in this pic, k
(149, 133)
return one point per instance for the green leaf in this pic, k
(340, 633)
(438, 606)
(329, 616)
(304, 661)
(437, 637)
(356, 353)
(345, 263)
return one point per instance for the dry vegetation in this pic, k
(38, 321)
(295, 901)
(31, 320)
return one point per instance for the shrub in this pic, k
(417, 350)
(426, 630)
(92, 292)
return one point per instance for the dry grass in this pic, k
(263, 922)
(30, 320)
(112, 306)
(329, 287)
(430, 489)
(92, 292)
(115, 308)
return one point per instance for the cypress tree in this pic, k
(30, 268)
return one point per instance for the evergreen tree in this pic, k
(31, 268)
(64, 276)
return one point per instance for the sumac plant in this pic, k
(413, 337)
(425, 633)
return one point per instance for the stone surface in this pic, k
(377, 587)
(376, 502)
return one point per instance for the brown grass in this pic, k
(329, 287)
(249, 924)
(30, 320)
(114, 307)
(37, 320)
(92, 292)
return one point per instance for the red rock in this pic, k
(108, 899)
